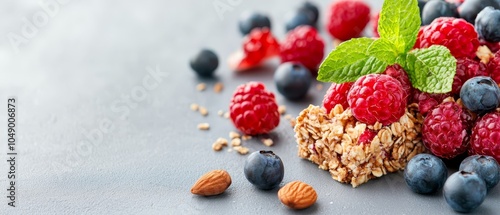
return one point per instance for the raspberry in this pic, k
(427, 101)
(303, 45)
(397, 72)
(485, 138)
(258, 46)
(347, 18)
(377, 98)
(253, 109)
(445, 130)
(466, 69)
(457, 35)
(336, 94)
(374, 21)
(494, 67)
(366, 137)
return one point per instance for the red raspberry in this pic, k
(303, 45)
(485, 138)
(419, 35)
(457, 35)
(466, 69)
(374, 20)
(367, 136)
(347, 19)
(494, 67)
(377, 98)
(397, 72)
(445, 130)
(336, 94)
(427, 101)
(258, 46)
(253, 109)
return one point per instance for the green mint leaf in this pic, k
(349, 61)
(430, 70)
(383, 50)
(399, 23)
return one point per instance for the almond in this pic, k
(297, 195)
(212, 183)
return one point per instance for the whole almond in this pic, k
(297, 195)
(212, 183)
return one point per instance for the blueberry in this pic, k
(438, 8)
(425, 173)
(250, 20)
(485, 166)
(480, 94)
(487, 24)
(297, 18)
(264, 169)
(470, 8)
(292, 80)
(312, 8)
(204, 63)
(464, 191)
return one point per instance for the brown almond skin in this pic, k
(212, 183)
(297, 195)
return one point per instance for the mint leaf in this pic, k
(383, 50)
(349, 61)
(399, 23)
(430, 70)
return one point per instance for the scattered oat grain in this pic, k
(282, 109)
(203, 111)
(241, 149)
(203, 126)
(236, 142)
(220, 112)
(246, 137)
(218, 87)
(201, 87)
(267, 141)
(226, 115)
(234, 135)
(195, 107)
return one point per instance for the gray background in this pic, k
(72, 74)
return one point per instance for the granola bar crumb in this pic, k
(218, 87)
(234, 135)
(203, 126)
(267, 141)
(282, 109)
(203, 111)
(241, 149)
(484, 54)
(220, 112)
(236, 142)
(219, 144)
(194, 107)
(226, 115)
(246, 137)
(201, 87)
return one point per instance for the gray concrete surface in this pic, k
(94, 139)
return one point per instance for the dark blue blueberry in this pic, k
(297, 18)
(480, 94)
(250, 20)
(488, 24)
(292, 80)
(264, 169)
(312, 8)
(470, 8)
(425, 174)
(204, 63)
(438, 8)
(485, 166)
(464, 191)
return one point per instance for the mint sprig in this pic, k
(430, 70)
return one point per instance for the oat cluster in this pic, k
(331, 142)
